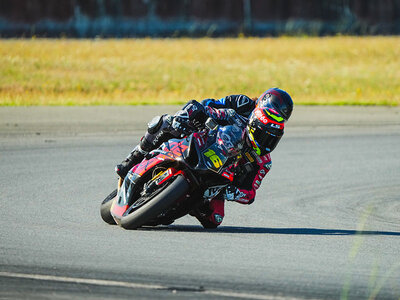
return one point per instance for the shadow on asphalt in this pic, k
(262, 230)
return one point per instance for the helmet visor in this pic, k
(265, 141)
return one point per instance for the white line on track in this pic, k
(132, 285)
(83, 281)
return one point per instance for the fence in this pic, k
(173, 18)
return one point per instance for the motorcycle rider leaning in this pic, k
(264, 128)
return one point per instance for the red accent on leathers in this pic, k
(248, 187)
(249, 182)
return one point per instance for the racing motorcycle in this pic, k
(178, 178)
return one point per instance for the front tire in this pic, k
(176, 189)
(105, 208)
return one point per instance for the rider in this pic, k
(160, 129)
(265, 125)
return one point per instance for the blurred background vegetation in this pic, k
(194, 18)
(331, 70)
(76, 52)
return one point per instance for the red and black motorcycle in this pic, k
(178, 178)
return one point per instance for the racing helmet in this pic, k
(278, 101)
(265, 128)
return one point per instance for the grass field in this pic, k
(335, 70)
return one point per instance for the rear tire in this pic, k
(105, 208)
(162, 201)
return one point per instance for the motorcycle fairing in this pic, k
(121, 203)
(172, 150)
(213, 158)
(209, 156)
(151, 186)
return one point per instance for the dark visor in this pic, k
(266, 141)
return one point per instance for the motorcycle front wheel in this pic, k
(106, 206)
(175, 189)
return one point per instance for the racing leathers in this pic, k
(249, 170)
(241, 104)
(191, 117)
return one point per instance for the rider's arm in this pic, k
(248, 182)
(242, 104)
(196, 115)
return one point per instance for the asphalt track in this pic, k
(325, 223)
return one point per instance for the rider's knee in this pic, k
(155, 124)
(217, 207)
(212, 221)
(157, 132)
(216, 219)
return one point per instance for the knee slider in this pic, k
(216, 219)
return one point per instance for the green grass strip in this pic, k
(315, 71)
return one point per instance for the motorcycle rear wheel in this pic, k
(106, 206)
(176, 189)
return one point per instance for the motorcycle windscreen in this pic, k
(230, 140)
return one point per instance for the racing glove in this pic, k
(197, 114)
(231, 193)
(181, 125)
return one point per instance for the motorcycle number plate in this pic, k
(214, 159)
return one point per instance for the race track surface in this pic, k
(325, 223)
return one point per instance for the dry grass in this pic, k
(338, 70)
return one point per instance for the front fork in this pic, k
(120, 181)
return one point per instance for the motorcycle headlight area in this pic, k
(230, 139)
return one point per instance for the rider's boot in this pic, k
(135, 157)
(153, 138)
(211, 214)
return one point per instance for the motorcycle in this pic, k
(176, 179)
